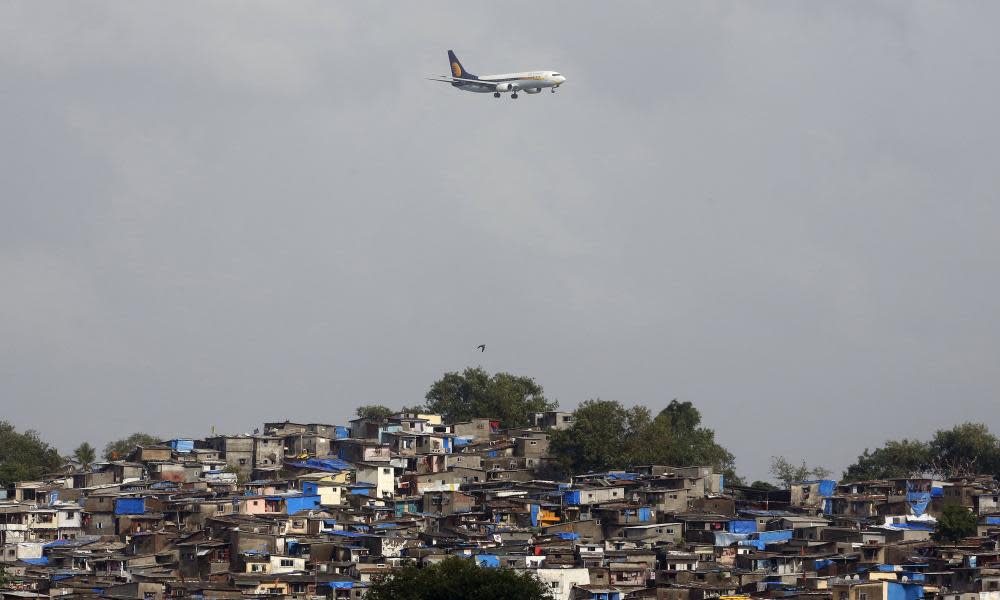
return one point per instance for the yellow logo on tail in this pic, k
(456, 69)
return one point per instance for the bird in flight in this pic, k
(481, 347)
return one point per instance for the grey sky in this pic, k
(232, 212)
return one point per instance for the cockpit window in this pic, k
(556, 75)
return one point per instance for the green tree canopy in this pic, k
(120, 449)
(456, 579)
(24, 456)
(606, 435)
(85, 454)
(956, 524)
(787, 473)
(376, 412)
(675, 437)
(966, 449)
(474, 393)
(903, 458)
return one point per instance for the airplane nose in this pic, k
(562, 79)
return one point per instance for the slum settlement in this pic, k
(309, 510)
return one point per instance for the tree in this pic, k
(456, 579)
(120, 449)
(903, 458)
(607, 435)
(474, 393)
(85, 454)
(763, 486)
(965, 449)
(675, 437)
(603, 436)
(375, 412)
(787, 473)
(24, 456)
(956, 524)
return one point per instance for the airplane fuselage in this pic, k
(530, 82)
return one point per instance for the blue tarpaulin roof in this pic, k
(765, 513)
(161, 485)
(331, 465)
(488, 560)
(351, 534)
(913, 526)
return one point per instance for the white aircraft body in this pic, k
(531, 82)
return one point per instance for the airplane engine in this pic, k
(507, 87)
(532, 90)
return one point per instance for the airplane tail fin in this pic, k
(457, 70)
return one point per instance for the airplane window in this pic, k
(556, 75)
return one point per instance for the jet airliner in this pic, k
(531, 82)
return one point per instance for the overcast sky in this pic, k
(231, 212)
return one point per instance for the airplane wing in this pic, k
(476, 81)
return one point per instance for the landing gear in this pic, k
(496, 94)
(513, 96)
(554, 89)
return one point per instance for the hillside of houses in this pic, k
(310, 510)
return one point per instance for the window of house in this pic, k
(243, 461)
(863, 596)
(286, 562)
(386, 471)
(533, 443)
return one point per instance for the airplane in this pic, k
(531, 82)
